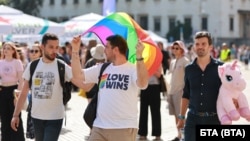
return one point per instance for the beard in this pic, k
(50, 57)
(201, 52)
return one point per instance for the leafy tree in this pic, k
(31, 7)
(187, 31)
(4, 2)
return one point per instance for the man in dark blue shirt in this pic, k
(201, 89)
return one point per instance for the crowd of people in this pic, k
(192, 68)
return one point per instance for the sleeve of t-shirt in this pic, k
(19, 65)
(91, 74)
(68, 72)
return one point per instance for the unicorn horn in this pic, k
(234, 65)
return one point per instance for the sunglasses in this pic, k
(34, 51)
(176, 48)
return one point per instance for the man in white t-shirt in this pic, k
(117, 113)
(47, 110)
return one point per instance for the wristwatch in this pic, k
(181, 117)
(140, 59)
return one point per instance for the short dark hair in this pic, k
(120, 42)
(67, 43)
(202, 34)
(49, 36)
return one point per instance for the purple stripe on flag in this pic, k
(105, 32)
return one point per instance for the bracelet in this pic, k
(140, 59)
(181, 117)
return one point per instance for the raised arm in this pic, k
(142, 72)
(75, 63)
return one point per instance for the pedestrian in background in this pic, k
(63, 53)
(117, 113)
(150, 99)
(246, 56)
(201, 88)
(98, 57)
(34, 52)
(190, 53)
(225, 53)
(166, 57)
(11, 71)
(177, 72)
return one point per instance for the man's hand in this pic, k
(180, 124)
(15, 123)
(139, 49)
(75, 43)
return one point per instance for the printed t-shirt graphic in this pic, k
(114, 81)
(43, 85)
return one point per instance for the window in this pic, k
(63, 19)
(76, 1)
(53, 19)
(88, 1)
(231, 22)
(144, 22)
(63, 2)
(171, 23)
(51, 2)
(188, 21)
(204, 21)
(157, 24)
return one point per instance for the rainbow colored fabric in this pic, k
(122, 24)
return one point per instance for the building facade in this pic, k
(227, 20)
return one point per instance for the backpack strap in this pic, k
(61, 70)
(33, 65)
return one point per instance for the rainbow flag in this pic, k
(122, 24)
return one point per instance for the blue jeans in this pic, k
(193, 120)
(47, 130)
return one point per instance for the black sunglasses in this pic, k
(34, 51)
(176, 48)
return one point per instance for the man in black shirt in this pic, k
(201, 89)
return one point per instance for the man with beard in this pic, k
(47, 110)
(201, 88)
